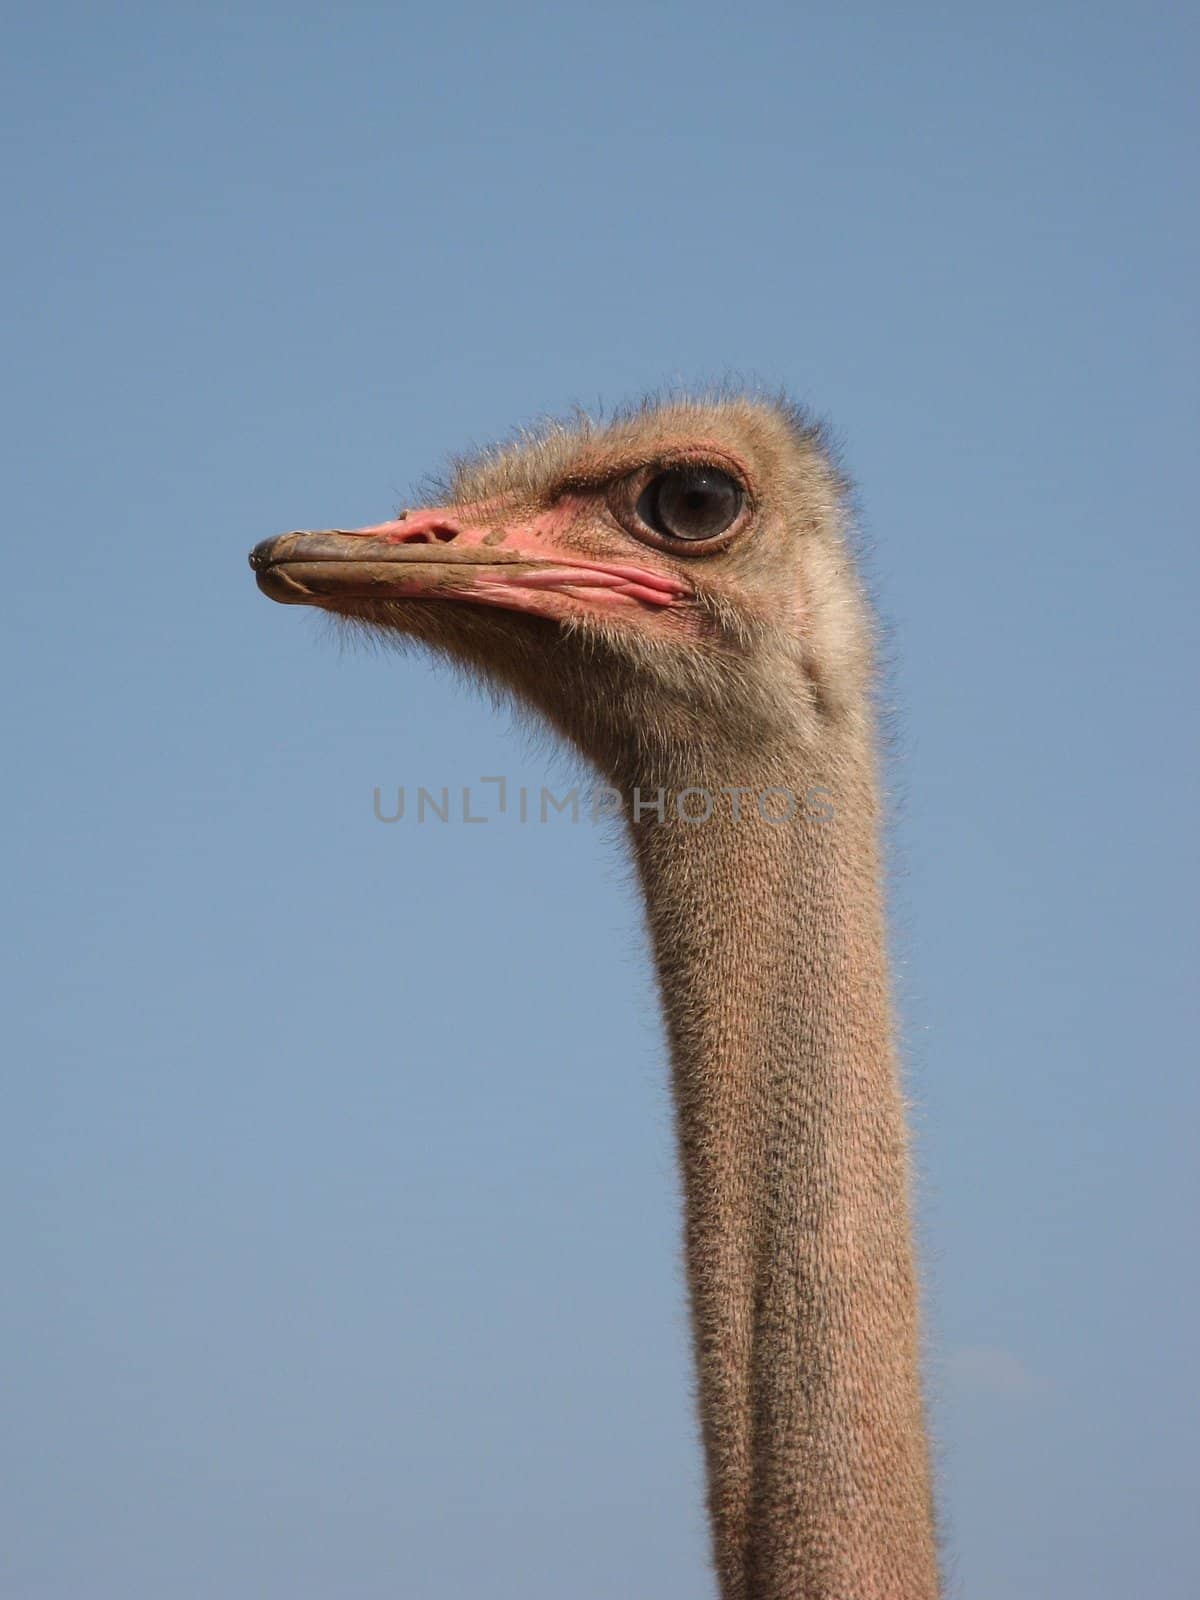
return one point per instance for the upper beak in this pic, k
(436, 554)
(425, 554)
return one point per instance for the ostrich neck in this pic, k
(769, 943)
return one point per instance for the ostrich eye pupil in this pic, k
(690, 502)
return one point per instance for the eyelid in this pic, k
(700, 461)
(603, 481)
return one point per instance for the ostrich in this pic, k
(673, 592)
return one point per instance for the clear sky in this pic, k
(337, 1195)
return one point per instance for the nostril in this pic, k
(427, 535)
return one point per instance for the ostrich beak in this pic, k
(440, 554)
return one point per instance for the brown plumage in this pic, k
(674, 592)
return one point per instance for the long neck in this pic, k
(769, 943)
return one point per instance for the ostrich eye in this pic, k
(690, 502)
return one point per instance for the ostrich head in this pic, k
(673, 582)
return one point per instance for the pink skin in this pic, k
(469, 531)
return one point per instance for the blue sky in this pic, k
(337, 1193)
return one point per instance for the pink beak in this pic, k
(442, 554)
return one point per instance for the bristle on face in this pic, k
(535, 460)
